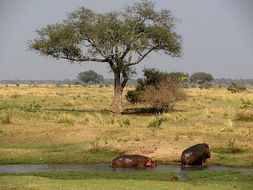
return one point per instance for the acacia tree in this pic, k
(201, 77)
(90, 76)
(122, 39)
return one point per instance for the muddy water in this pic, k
(104, 167)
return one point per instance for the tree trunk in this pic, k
(117, 99)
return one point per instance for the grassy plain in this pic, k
(73, 124)
(222, 180)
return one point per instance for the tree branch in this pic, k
(125, 52)
(141, 58)
(103, 54)
(125, 79)
(81, 59)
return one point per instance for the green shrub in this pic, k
(205, 85)
(245, 103)
(156, 122)
(133, 96)
(83, 121)
(126, 122)
(112, 121)
(229, 100)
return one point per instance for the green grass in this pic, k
(69, 153)
(234, 160)
(100, 155)
(228, 178)
(152, 176)
(41, 155)
(207, 180)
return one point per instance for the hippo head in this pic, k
(150, 163)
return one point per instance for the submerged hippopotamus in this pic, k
(132, 161)
(195, 155)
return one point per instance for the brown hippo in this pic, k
(195, 155)
(132, 161)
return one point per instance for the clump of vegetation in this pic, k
(235, 87)
(65, 118)
(6, 118)
(156, 122)
(245, 103)
(83, 121)
(34, 107)
(126, 121)
(245, 115)
(157, 90)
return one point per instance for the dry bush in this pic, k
(162, 95)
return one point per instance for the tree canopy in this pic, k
(120, 38)
(90, 76)
(201, 77)
(179, 76)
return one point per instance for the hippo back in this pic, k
(195, 154)
(129, 161)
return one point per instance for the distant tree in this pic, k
(179, 76)
(121, 39)
(157, 89)
(201, 78)
(90, 77)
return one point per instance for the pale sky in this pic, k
(217, 38)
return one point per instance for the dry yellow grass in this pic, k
(79, 115)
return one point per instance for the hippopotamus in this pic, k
(132, 161)
(195, 155)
